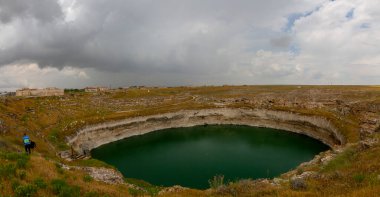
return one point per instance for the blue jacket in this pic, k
(26, 140)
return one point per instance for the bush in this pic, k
(59, 169)
(57, 185)
(92, 194)
(153, 191)
(359, 178)
(22, 174)
(62, 189)
(22, 161)
(12, 156)
(40, 183)
(135, 192)
(15, 184)
(69, 191)
(25, 190)
(87, 178)
(216, 181)
(7, 171)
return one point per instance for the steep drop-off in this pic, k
(313, 126)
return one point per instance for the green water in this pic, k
(191, 156)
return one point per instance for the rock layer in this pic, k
(94, 136)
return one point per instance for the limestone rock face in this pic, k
(96, 135)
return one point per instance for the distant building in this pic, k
(95, 89)
(40, 92)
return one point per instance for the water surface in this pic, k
(191, 156)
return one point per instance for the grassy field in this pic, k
(352, 109)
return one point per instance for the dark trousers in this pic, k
(27, 148)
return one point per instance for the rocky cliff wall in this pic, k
(313, 126)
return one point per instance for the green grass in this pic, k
(40, 183)
(52, 116)
(87, 178)
(146, 187)
(27, 190)
(343, 160)
(60, 188)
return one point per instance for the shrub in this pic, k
(62, 189)
(359, 178)
(22, 161)
(12, 156)
(40, 183)
(7, 171)
(146, 188)
(57, 185)
(53, 135)
(153, 191)
(22, 174)
(92, 194)
(25, 190)
(69, 191)
(59, 169)
(216, 181)
(15, 184)
(87, 178)
(135, 192)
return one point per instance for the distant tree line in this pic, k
(73, 90)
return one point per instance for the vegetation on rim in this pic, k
(355, 110)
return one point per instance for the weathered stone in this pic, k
(106, 175)
(298, 184)
(325, 160)
(368, 143)
(305, 175)
(65, 155)
(96, 135)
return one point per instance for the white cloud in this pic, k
(193, 42)
(336, 44)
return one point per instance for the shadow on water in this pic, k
(191, 156)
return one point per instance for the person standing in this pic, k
(27, 143)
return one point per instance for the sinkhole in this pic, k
(191, 156)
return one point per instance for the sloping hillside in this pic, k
(351, 169)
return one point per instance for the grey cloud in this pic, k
(176, 36)
(42, 10)
(281, 42)
(198, 39)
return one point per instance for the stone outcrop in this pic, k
(106, 175)
(96, 135)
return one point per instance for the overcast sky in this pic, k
(78, 43)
